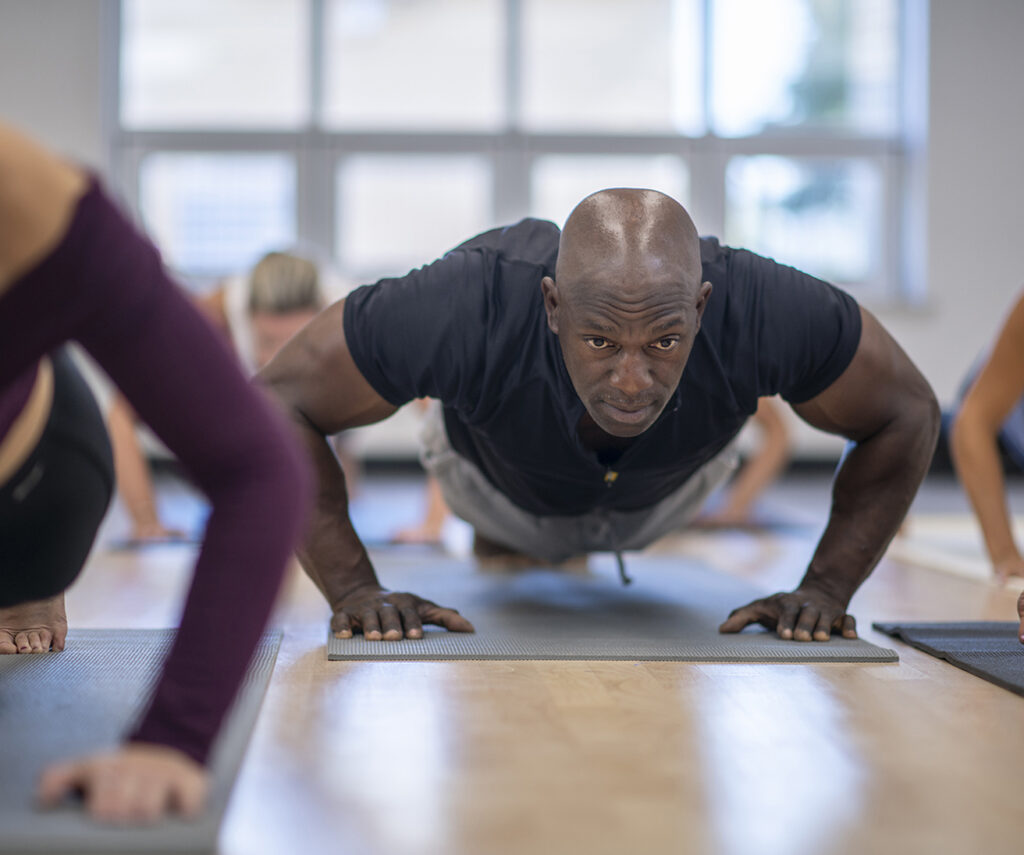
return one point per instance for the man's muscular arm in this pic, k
(887, 409)
(323, 392)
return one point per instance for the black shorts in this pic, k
(52, 506)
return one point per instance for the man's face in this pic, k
(626, 336)
(271, 331)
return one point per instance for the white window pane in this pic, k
(213, 214)
(414, 64)
(780, 63)
(821, 216)
(396, 212)
(228, 64)
(613, 66)
(558, 182)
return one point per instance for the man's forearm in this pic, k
(331, 551)
(870, 497)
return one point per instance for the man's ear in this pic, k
(702, 300)
(551, 302)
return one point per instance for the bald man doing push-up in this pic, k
(591, 383)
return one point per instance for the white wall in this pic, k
(50, 80)
(975, 220)
(50, 83)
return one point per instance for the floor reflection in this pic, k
(783, 775)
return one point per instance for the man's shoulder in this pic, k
(529, 240)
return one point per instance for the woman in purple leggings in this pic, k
(73, 268)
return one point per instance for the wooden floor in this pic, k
(466, 758)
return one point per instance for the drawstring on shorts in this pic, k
(626, 579)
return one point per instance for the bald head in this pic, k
(627, 229)
(626, 304)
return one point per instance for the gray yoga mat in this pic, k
(671, 612)
(987, 649)
(57, 706)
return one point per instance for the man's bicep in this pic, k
(876, 388)
(315, 376)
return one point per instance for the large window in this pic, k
(386, 131)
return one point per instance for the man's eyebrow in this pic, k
(597, 326)
(668, 323)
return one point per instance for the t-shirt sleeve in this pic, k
(423, 335)
(807, 330)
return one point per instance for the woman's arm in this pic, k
(999, 388)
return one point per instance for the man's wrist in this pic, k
(343, 585)
(840, 590)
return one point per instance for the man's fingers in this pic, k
(60, 637)
(738, 619)
(412, 623)
(370, 624)
(341, 625)
(789, 610)
(390, 622)
(826, 623)
(450, 619)
(36, 641)
(849, 626)
(806, 622)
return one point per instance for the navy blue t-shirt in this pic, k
(470, 329)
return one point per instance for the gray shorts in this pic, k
(557, 538)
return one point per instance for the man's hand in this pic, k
(135, 785)
(804, 615)
(34, 627)
(1020, 611)
(381, 614)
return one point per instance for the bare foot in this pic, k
(34, 627)
(498, 557)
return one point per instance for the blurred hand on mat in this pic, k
(155, 531)
(389, 616)
(34, 627)
(1013, 566)
(805, 614)
(1020, 611)
(137, 784)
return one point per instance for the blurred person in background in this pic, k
(257, 313)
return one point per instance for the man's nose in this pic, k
(631, 375)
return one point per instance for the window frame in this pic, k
(317, 152)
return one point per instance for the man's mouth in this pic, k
(629, 413)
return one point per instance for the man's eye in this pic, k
(598, 343)
(666, 343)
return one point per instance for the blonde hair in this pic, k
(281, 283)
